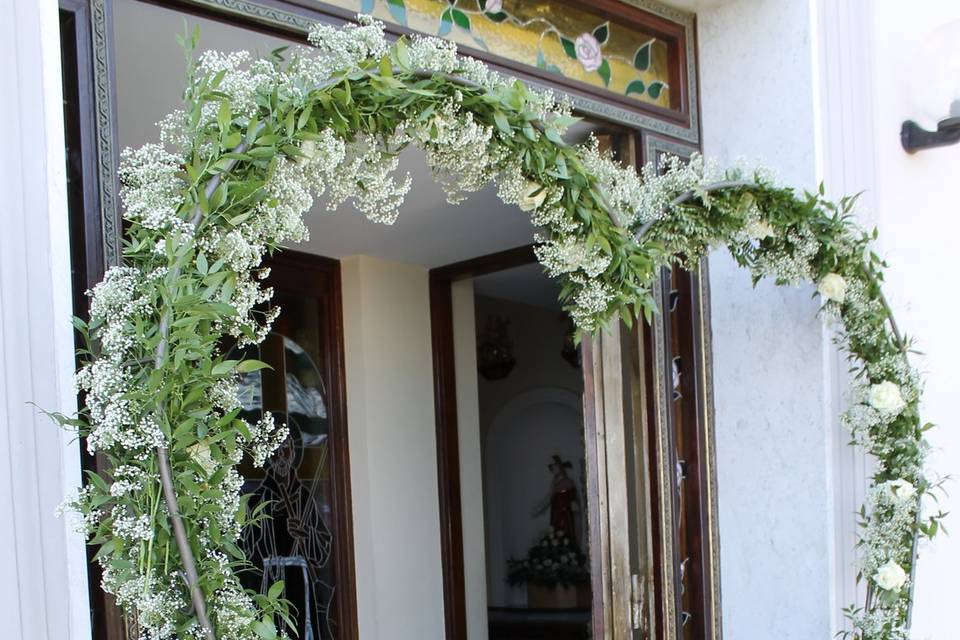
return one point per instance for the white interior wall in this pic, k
(775, 503)
(43, 593)
(393, 453)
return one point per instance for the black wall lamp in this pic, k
(913, 137)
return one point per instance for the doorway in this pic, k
(407, 574)
(512, 456)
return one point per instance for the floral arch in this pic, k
(237, 169)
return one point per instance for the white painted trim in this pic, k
(47, 599)
(842, 58)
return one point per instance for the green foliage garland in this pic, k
(255, 140)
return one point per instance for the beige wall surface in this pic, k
(393, 460)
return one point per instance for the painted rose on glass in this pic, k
(493, 6)
(588, 51)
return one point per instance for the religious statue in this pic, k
(563, 502)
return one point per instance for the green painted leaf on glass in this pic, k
(635, 86)
(497, 16)
(541, 60)
(602, 32)
(446, 23)
(398, 10)
(655, 89)
(461, 19)
(569, 47)
(641, 59)
(604, 72)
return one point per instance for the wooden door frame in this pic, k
(290, 272)
(292, 19)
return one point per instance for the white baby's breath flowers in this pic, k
(832, 287)
(886, 397)
(759, 230)
(890, 576)
(464, 153)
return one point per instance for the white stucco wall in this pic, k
(915, 76)
(775, 502)
(818, 90)
(393, 453)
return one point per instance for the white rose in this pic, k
(493, 6)
(759, 229)
(833, 287)
(588, 51)
(533, 196)
(890, 576)
(885, 397)
(902, 489)
(200, 453)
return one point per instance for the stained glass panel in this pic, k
(576, 43)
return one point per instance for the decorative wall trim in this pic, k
(663, 473)
(654, 147)
(708, 413)
(101, 24)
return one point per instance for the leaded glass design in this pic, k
(294, 544)
(575, 42)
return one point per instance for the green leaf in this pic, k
(602, 32)
(223, 116)
(641, 59)
(403, 54)
(223, 368)
(604, 72)
(265, 629)
(655, 88)
(275, 590)
(498, 16)
(569, 47)
(246, 366)
(461, 19)
(202, 265)
(635, 86)
(386, 67)
(502, 122)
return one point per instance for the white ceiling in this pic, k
(428, 232)
(527, 284)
